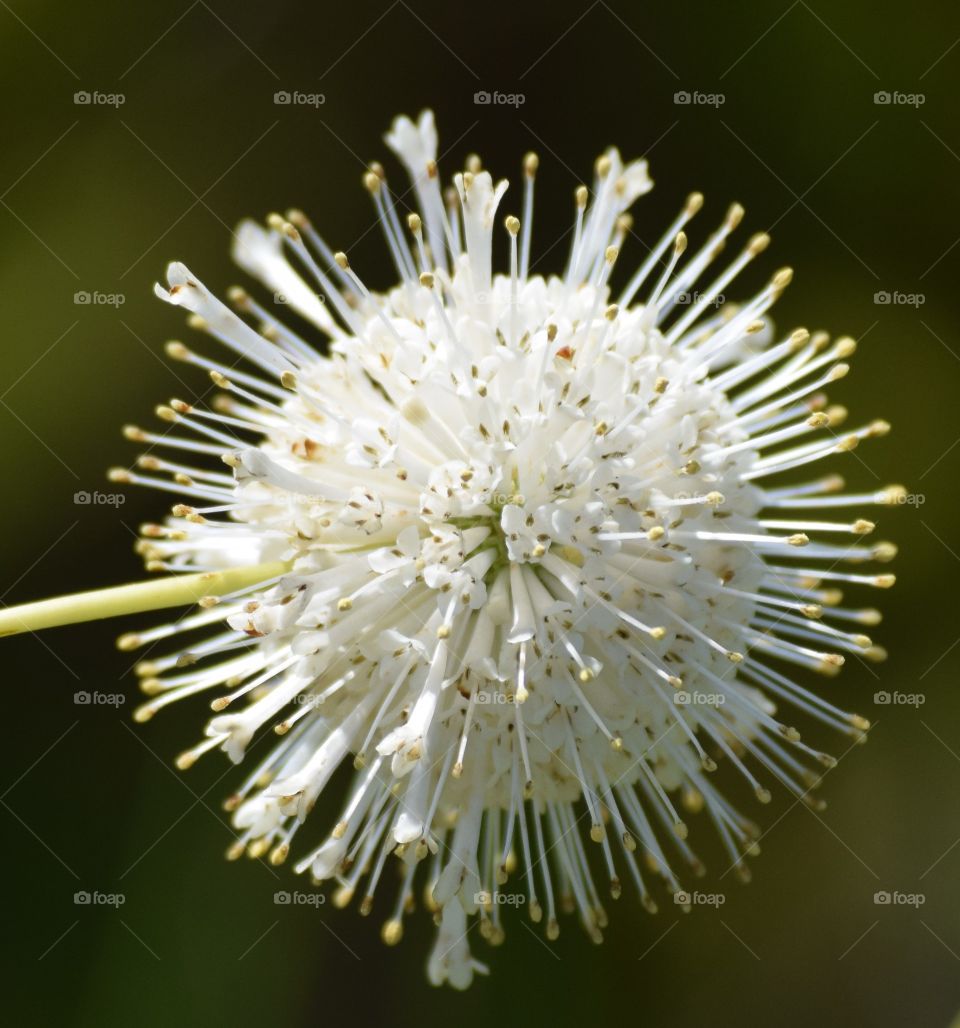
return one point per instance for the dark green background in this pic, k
(862, 198)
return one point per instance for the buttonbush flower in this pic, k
(517, 547)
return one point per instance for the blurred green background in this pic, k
(861, 198)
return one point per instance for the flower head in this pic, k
(529, 562)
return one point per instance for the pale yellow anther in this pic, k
(734, 216)
(782, 278)
(884, 552)
(836, 415)
(693, 204)
(176, 350)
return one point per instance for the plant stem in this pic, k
(174, 591)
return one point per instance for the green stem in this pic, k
(175, 591)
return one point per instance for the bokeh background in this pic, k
(861, 199)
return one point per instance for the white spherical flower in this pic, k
(517, 547)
